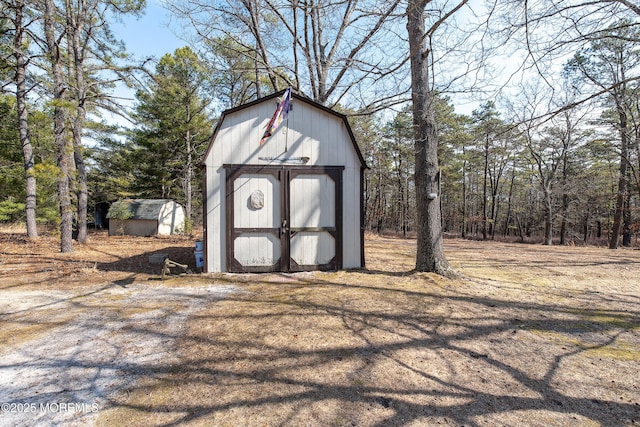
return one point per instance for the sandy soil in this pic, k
(92, 344)
(528, 335)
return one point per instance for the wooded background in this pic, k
(549, 151)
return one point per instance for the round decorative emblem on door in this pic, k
(256, 200)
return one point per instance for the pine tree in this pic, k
(174, 126)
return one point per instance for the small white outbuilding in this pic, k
(291, 203)
(147, 217)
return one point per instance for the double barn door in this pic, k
(283, 218)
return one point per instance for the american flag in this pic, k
(281, 113)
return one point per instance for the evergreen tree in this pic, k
(174, 126)
(43, 171)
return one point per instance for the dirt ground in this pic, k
(528, 335)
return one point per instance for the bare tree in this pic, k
(430, 255)
(494, 137)
(542, 33)
(552, 29)
(549, 145)
(332, 52)
(606, 64)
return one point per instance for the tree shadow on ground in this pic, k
(336, 348)
(319, 351)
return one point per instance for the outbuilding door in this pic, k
(283, 218)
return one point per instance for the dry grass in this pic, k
(531, 335)
(542, 342)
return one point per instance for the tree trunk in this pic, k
(63, 147)
(636, 172)
(188, 175)
(262, 59)
(75, 27)
(403, 212)
(565, 179)
(495, 210)
(365, 205)
(565, 199)
(622, 181)
(82, 192)
(585, 228)
(463, 234)
(484, 189)
(520, 230)
(563, 223)
(380, 211)
(627, 232)
(505, 232)
(548, 221)
(430, 256)
(548, 213)
(23, 122)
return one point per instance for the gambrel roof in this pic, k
(148, 209)
(295, 97)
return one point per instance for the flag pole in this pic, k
(286, 137)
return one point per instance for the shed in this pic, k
(293, 203)
(148, 217)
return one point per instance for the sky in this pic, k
(149, 35)
(144, 37)
(154, 34)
